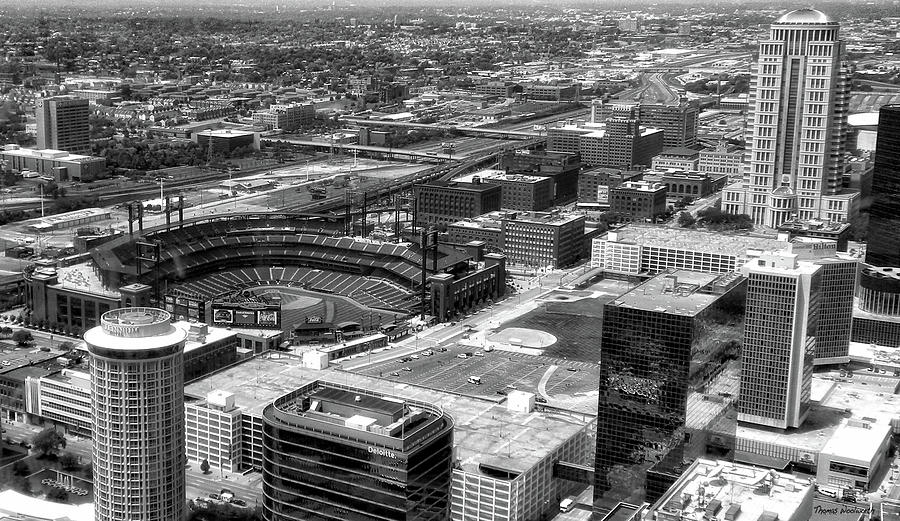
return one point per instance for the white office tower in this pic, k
(796, 129)
(137, 390)
(780, 326)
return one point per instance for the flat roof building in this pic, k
(62, 124)
(400, 450)
(638, 248)
(441, 202)
(677, 158)
(784, 297)
(518, 191)
(594, 184)
(543, 239)
(509, 477)
(638, 199)
(560, 166)
(669, 365)
(61, 165)
(711, 488)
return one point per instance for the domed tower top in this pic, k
(805, 16)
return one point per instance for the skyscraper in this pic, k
(780, 328)
(797, 127)
(668, 375)
(62, 124)
(137, 394)
(883, 248)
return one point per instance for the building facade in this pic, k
(543, 239)
(324, 441)
(780, 328)
(137, 397)
(839, 274)
(638, 248)
(797, 126)
(561, 167)
(678, 121)
(677, 158)
(723, 159)
(62, 124)
(58, 164)
(594, 184)
(883, 248)
(287, 117)
(639, 200)
(439, 203)
(670, 354)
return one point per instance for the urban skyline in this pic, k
(462, 262)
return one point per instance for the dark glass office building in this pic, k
(883, 248)
(669, 375)
(333, 452)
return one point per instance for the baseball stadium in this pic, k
(294, 272)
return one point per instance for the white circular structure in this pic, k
(137, 391)
(805, 16)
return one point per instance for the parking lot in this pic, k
(569, 383)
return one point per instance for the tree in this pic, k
(69, 461)
(21, 468)
(685, 219)
(25, 487)
(58, 495)
(204, 466)
(22, 337)
(48, 441)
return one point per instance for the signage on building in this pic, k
(382, 452)
(603, 194)
(223, 316)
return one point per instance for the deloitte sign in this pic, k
(382, 452)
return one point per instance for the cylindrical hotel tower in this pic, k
(137, 390)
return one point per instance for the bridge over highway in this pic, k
(380, 152)
(465, 131)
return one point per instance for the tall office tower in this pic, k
(137, 394)
(335, 452)
(883, 248)
(678, 121)
(62, 124)
(876, 321)
(836, 309)
(780, 328)
(797, 127)
(669, 369)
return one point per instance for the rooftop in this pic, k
(82, 277)
(715, 485)
(144, 328)
(484, 430)
(695, 240)
(48, 153)
(858, 440)
(685, 293)
(226, 132)
(501, 175)
(552, 218)
(680, 152)
(74, 378)
(479, 187)
(833, 402)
